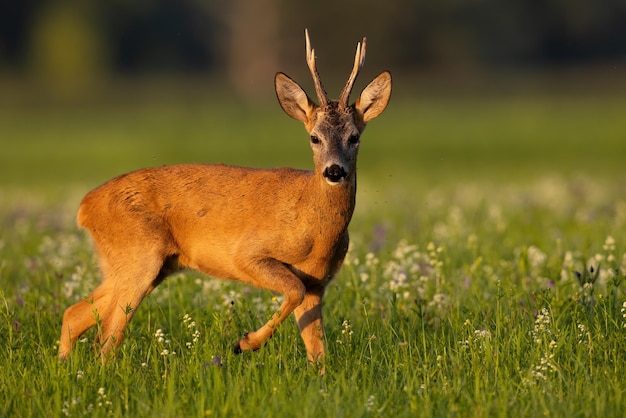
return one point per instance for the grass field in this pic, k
(485, 276)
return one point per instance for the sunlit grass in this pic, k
(486, 287)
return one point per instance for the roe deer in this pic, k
(279, 229)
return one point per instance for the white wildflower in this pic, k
(369, 405)
(536, 258)
(346, 331)
(609, 244)
(371, 260)
(159, 335)
(482, 333)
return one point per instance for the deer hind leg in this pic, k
(272, 275)
(112, 305)
(83, 315)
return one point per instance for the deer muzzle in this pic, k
(335, 174)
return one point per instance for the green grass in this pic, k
(468, 289)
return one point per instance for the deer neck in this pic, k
(334, 204)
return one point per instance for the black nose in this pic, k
(335, 173)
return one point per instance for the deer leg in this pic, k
(115, 320)
(81, 316)
(272, 275)
(309, 318)
(113, 303)
(132, 286)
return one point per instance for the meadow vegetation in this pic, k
(485, 275)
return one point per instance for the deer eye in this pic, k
(354, 139)
(314, 139)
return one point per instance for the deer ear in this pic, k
(293, 99)
(375, 97)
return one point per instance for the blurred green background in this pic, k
(482, 89)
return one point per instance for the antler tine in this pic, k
(359, 60)
(310, 59)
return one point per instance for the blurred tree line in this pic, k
(76, 42)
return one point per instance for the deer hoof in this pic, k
(237, 349)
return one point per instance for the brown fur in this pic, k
(283, 230)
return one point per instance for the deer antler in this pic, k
(359, 60)
(310, 59)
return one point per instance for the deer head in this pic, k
(334, 127)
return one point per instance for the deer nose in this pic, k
(335, 173)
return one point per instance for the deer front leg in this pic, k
(309, 318)
(272, 275)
